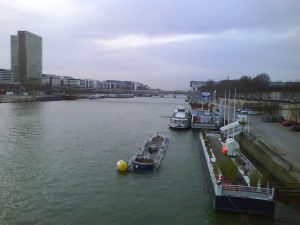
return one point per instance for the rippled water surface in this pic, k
(57, 166)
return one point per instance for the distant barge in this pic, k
(232, 197)
(69, 97)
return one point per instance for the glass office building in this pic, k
(26, 58)
(14, 58)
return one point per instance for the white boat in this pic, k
(93, 97)
(181, 118)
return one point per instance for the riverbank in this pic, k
(18, 98)
(33, 98)
(289, 111)
(273, 146)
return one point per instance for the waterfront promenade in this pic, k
(284, 143)
(280, 147)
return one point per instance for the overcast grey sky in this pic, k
(162, 43)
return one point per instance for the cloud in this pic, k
(140, 40)
(158, 42)
(53, 7)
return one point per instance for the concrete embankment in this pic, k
(18, 98)
(269, 157)
(288, 110)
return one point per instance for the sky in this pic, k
(164, 44)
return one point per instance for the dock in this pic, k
(202, 119)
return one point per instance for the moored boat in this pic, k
(92, 97)
(69, 97)
(49, 98)
(150, 154)
(231, 176)
(181, 118)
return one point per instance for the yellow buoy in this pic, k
(122, 165)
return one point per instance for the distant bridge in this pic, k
(116, 91)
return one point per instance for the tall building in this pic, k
(14, 58)
(26, 58)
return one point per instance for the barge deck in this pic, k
(234, 197)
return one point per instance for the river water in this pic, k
(58, 166)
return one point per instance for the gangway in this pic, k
(232, 129)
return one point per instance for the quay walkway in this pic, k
(283, 143)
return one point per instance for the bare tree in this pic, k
(261, 83)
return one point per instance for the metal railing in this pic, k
(248, 192)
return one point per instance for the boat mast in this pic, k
(208, 104)
(215, 100)
(202, 101)
(228, 111)
(234, 110)
(224, 109)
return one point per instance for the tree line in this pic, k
(247, 85)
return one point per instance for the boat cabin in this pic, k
(232, 146)
(152, 148)
(144, 160)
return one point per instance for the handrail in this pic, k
(246, 191)
(232, 187)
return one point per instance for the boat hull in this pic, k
(142, 166)
(69, 97)
(49, 98)
(233, 203)
(244, 205)
(176, 126)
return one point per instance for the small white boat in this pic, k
(93, 97)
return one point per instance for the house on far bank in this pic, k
(74, 83)
(51, 80)
(5, 76)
